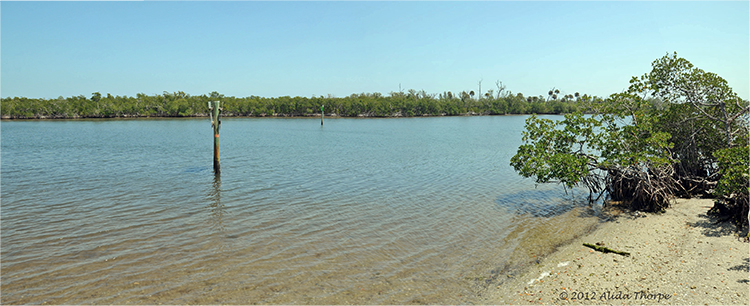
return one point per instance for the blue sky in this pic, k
(270, 49)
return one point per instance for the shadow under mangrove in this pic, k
(547, 203)
(714, 226)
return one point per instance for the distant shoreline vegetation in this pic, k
(411, 103)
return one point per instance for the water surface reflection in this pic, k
(421, 210)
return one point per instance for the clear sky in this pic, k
(271, 49)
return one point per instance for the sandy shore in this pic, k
(680, 257)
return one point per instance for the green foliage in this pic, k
(560, 151)
(600, 153)
(733, 187)
(734, 170)
(702, 114)
(180, 104)
(671, 125)
(631, 137)
(694, 140)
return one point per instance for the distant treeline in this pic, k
(396, 104)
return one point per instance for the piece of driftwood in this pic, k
(606, 249)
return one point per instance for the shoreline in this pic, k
(279, 116)
(679, 257)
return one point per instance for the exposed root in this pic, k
(651, 189)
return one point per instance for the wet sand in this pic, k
(680, 257)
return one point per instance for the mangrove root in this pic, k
(606, 250)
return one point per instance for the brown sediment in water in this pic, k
(680, 257)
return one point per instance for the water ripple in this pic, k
(358, 212)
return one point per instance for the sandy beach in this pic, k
(680, 257)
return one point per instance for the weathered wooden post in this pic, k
(213, 112)
(322, 114)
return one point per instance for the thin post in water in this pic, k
(322, 114)
(213, 112)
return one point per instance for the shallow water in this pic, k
(360, 211)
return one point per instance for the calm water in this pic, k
(360, 211)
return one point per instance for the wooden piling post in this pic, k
(322, 114)
(213, 112)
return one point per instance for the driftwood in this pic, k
(606, 250)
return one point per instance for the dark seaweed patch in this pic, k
(540, 203)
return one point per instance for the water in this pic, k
(360, 211)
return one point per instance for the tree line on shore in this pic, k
(676, 131)
(396, 104)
